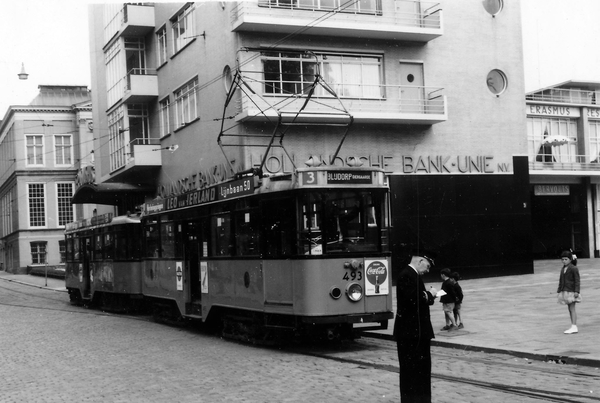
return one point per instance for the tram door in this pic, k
(192, 259)
(87, 258)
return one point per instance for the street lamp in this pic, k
(22, 75)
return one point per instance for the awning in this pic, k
(112, 194)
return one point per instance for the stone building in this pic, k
(186, 93)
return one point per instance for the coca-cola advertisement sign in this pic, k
(376, 272)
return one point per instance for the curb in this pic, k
(519, 354)
(33, 285)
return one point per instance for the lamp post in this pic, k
(23, 75)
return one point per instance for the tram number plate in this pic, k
(353, 275)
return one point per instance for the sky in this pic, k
(50, 38)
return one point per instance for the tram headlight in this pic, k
(335, 292)
(354, 292)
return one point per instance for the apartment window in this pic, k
(161, 46)
(493, 6)
(139, 124)
(186, 103)
(37, 204)
(38, 252)
(63, 150)
(135, 56)
(350, 76)
(64, 192)
(115, 73)
(117, 143)
(35, 149)
(165, 121)
(183, 28)
(594, 126)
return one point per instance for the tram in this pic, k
(304, 253)
(103, 261)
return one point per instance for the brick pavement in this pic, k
(50, 354)
(517, 315)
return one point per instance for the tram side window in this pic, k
(205, 237)
(120, 242)
(246, 233)
(98, 247)
(310, 234)
(221, 234)
(72, 248)
(168, 239)
(109, 251)
(152, 237)
(134, 241)
(279, 227)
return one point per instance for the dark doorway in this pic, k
(559, 223)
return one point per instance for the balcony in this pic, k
(391, 104)
(393, 20)
(141, 86)
(551, 163)
(138, 20)
(138, 162)
(566, 96)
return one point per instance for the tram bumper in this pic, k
(381, 317)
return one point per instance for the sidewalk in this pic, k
(519, 315)
(50, 283)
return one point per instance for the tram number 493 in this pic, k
(354, 275)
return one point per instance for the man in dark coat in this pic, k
(413, 331)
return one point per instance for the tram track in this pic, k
(366, 353)
(512, 391)
(68, 308)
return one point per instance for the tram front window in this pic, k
(340, 221)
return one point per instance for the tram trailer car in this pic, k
(304, 253)
(103, 265)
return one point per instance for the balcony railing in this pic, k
(137, 72)
(552, 162)
(399, 20)
(567, 96)
(367, 103)
(140, 152)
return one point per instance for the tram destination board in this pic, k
(222, 191)
(337, 178)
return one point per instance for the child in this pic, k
(448, 300)
(459, 297)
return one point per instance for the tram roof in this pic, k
(323, 177)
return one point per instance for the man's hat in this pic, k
(429, 258)
(427, 254)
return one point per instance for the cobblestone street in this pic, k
(54, 355)
(54, 352)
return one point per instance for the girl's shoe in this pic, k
(572, 329)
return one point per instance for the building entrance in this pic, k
(558, 223)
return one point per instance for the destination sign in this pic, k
(349, 177)
(90, 222)
(222, 191)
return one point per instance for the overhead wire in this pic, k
(277, 44)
